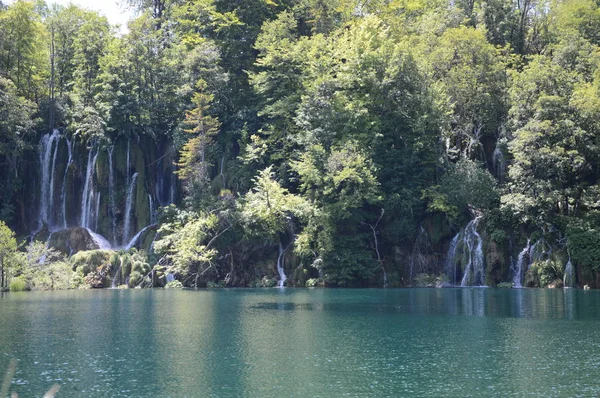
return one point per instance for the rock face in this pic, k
(73, 240)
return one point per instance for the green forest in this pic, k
(349, 143)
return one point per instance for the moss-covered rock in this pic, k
(497, 264)
(72, 240)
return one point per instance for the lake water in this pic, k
(303, 343)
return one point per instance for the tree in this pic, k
(22, 49)
(8, 248)
(193, 168)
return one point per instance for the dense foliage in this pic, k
(342, 132)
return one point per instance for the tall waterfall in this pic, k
(499, 163)
(128, 205)
(80, 185)
(87, 198)
(111, 193)
(280, 262)
(467, 246)
(523, 261)
(47, 155)
(153, 215)
(569, 277)
(63, 194)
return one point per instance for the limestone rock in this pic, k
(73, 240)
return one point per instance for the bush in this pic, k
(505, 285)
(17, 285)
(543, 273)
(425, 280)
(173, 285)
(315, 282)
(89, 261)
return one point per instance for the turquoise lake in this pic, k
(303, 342)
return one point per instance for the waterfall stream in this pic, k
(111, 193)
(569, 277)
(471, 244)
(280, 263)
(47, 157)
(137, 236)
(79, 186)
(63, 194)
(87, 198)
(521, 266)
(115, 282)
(128, 205)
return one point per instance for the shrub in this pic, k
(425, 280)
(17, 285)
(505, 285)
(88, 261)
(173, 285)
(315, 282)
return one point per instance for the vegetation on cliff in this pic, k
(345, 142)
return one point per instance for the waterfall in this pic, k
(474, 272)
(99, 240)
(450, 263)
(471, 245)
(63, 194)
(88, 191)
(418, 258)
(47, 165)
(153, 216)
(499, 163)
(128, 204)
(569, 277)
(171, 191)
(127, 165)
(134, 240)
(97, 212)
(50, 210)
(115, 282)
(111, 193)
(521, 266)
(280, 262)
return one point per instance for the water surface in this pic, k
(304, 342)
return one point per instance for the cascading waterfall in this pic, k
(569, 277)
(471, 244)
(280, 263)
(111, 193)
(88, 191)
(153, 216)
(52, 174)
(128, 204)
(48, 148)
(474, 270)
(523, 262)
(97, 212)
(137, 236)
(58, 188)
(99, 240)
(63, 194)
(127, 165)
(499, 163)
(450, 263)
(117, 277)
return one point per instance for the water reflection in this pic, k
(478, 302)
(299, 342)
